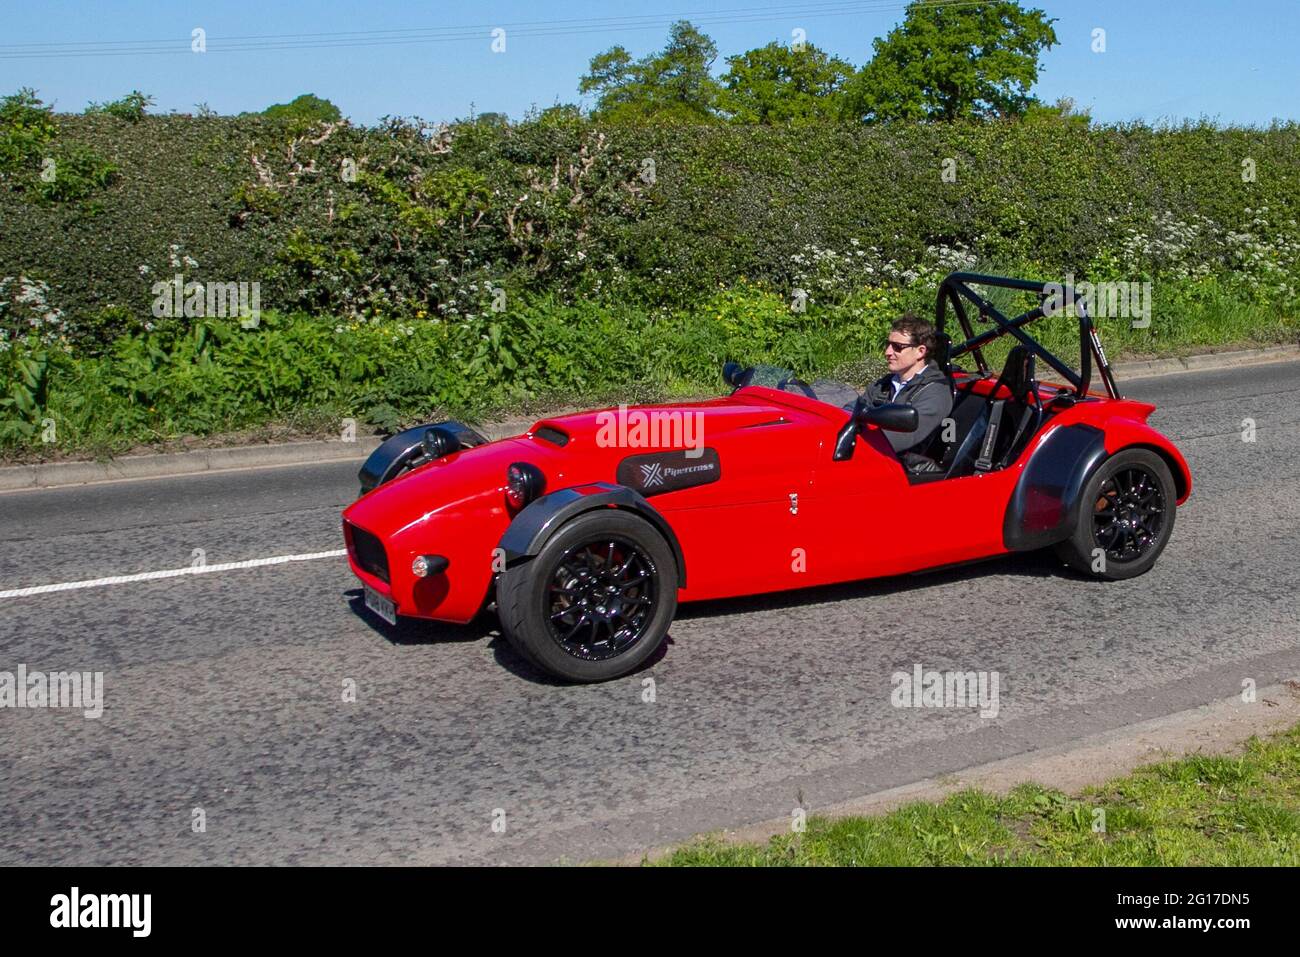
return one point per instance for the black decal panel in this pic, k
(654, 473)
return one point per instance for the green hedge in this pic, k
(216, 376)
(475, 268)
(433, 217)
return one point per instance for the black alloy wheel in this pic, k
(600, 598)
(1125, 517)
(596, 600)
(1128, 514)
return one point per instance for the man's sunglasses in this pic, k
(898, 346)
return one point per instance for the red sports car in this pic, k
(587, 530)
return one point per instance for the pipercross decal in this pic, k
(656, 472)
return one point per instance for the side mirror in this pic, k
(892, 417)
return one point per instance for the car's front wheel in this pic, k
(595, 602)
(1126, 518)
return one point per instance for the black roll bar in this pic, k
(955, 291)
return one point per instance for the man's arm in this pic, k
(933, 402)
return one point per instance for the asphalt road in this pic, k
(225, 691)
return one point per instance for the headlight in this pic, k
(436, 444)
(524, 483)
(426, 565)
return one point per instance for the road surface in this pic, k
(225, 691)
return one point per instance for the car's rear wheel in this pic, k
(1127, 517)
(595, 602)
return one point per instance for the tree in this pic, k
(560, 112)
(949, 62)
(776, 84)
(673, 83)
(307, 107)
(1064, 110)
(130, 107)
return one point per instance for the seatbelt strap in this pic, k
(1025, 418)
(985, 462)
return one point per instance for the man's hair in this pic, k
(918, 330)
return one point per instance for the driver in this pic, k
(914, 381)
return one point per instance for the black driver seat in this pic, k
(1024, 410)
(989, 432)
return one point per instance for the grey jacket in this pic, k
(928, 392)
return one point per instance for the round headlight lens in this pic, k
(523, 483)
(435, 444)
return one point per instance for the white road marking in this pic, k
(170, 573)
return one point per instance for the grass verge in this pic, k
(1241, 810)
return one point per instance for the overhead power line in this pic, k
(463, 33)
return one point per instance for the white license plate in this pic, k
(381, 606)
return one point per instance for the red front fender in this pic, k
(1123, 433)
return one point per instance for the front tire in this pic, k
(595, 602)
(1126, 518)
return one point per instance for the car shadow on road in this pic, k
(416, 631)
(518, 665)
(1022, 564)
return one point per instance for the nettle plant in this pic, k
(29, 328)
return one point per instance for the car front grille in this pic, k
(368, 552)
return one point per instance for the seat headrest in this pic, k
(1018, 373)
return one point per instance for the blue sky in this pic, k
(1229, 60)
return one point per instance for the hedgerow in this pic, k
(400, 219)
(410, 267)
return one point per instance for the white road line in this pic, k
(170, 573)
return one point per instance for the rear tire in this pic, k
(595, 602)
(1126, 517)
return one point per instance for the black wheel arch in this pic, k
(1044, 506)
(538, 521)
